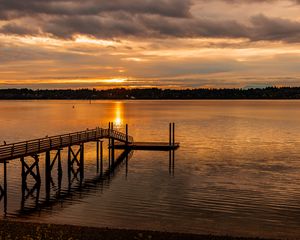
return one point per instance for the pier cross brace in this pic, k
(29, 169)
(78, 158)
(34, 171)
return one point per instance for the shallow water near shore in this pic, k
(237, 170)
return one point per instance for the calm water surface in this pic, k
(237, 170)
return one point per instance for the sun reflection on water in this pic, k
(118, 121)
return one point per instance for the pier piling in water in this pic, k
(172, 134)
(99, 156)
(126, 132)
(3, 187)
(112, 147)
(172, 148)
(173, 143)
(49, 164)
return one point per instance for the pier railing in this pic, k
(31, 147)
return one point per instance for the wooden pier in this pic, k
(49, 149)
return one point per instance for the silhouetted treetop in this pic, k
(153, 93)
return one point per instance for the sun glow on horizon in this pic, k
(88, 40)
(66, 81)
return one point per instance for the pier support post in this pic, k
(81, 161)
(48, 170)
(112, 147)
(173, 134)
(3, 190)
(170, 134)
(109, 145)
(48, 175)
(126, 134)
(172, 151)
(99, 156)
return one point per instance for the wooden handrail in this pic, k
(14, 150)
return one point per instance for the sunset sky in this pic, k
(146, 43)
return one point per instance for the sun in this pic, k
(115, 80)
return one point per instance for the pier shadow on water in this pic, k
(49, 193)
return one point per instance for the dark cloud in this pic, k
(172, 8)
(265, 28)
(103, 27)
(261, 27)
(159, 26)
(254, 1)
(16, 29)
(145, 26)
(136, 18)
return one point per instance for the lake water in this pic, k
(237, 170)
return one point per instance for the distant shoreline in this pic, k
(270, 93)
(158, 100)
(26, 230)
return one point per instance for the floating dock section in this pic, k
(148, 146)
(152, 146)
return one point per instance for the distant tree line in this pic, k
(153, 93)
